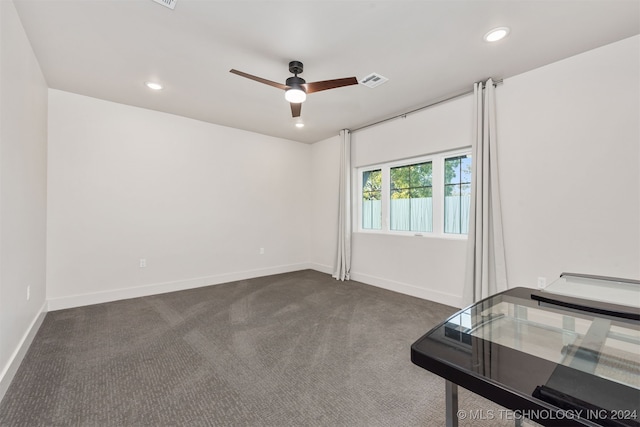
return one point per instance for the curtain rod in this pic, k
(424, 107)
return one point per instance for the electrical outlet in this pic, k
(542, 282)
(28, 292)
(261, 251)
(143, 262)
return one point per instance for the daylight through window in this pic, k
(411, 195)
(457, 194)
(371, 200)
(429, 195)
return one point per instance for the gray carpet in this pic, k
(296, 349)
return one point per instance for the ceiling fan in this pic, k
(296, 89)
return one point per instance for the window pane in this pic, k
(372, 185)
(401, 214)
(420, 175)
(457, 191)
(465, 170)
(452, 170)
(418, 193)
(400, 194)
(371, 199)
(399, 178)
(411, 193)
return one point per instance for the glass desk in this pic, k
(547, 356)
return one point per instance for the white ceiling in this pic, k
(428, 49)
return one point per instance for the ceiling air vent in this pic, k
(171, 4)
(373, 80)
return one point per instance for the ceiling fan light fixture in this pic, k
(295, 95)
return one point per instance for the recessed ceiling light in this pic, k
(299, 125)
(496, 34)
(153, 85)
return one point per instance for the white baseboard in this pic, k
(327, 269)
(414, 291)
(9, 371)
(392, 285)
(161, 288)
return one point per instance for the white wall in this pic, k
(23, 139)
(196, 200)
(569, 147)
(569, 159)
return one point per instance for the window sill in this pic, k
(406, 234)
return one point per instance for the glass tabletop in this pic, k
(591, 344)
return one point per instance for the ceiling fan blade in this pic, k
(259, 79)
(330, 84)
(295, 109)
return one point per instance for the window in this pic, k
(411, 195)
(371, 200)
(429, 194)
(457, 194)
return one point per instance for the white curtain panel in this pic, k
(343, 258)
(486, 272)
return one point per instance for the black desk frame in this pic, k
(454, 367)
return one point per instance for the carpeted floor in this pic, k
(296, 349)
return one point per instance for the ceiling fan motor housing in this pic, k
(296, 67)
(295, 82)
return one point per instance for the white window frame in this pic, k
(437, 164)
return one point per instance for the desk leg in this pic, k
(451, 390)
